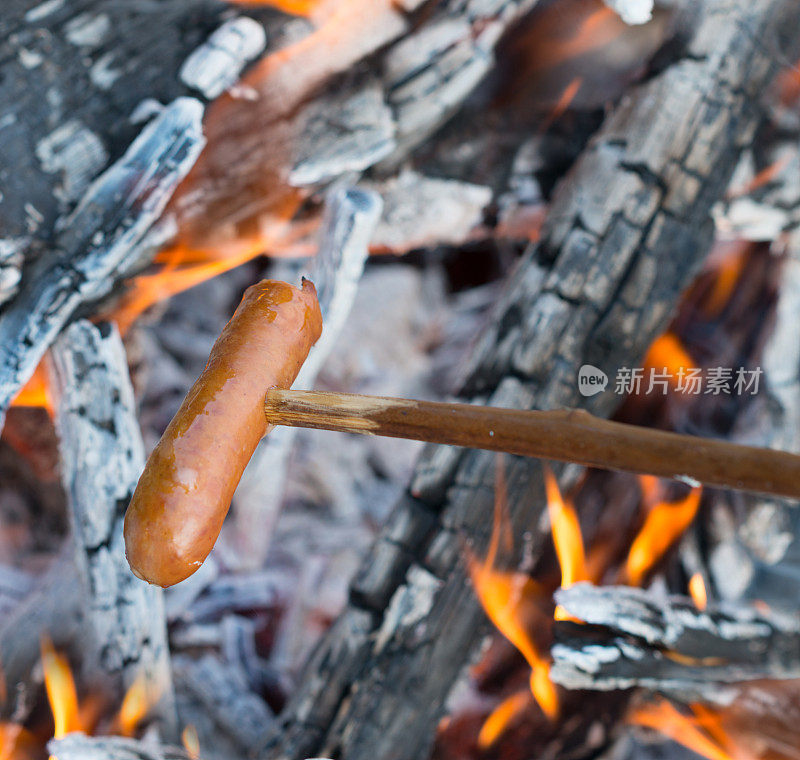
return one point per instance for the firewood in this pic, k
(773, 420)
(101, 238)
(568, 435)
(102, 457)
(627, 228)
(634, 637)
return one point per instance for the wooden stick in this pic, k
(567, 435)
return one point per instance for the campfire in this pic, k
(553, 249)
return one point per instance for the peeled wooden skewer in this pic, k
(569, 435)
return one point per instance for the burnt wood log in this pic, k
(634, 637)
(101, 239)
(627, 228)
(102, 457)
(751, 561)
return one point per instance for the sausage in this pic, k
(181, 500)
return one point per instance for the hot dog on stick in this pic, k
(180, 503)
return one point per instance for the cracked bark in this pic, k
(626, 230)
(102, 457)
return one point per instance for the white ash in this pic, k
(216, 65)
(88, 31)
(424, 211)
(78, 746)
(763, 210)
(103, 73)
(39, 12)
(410, 604)
(632, 12)
(75, 152)
(146, 110)
(344, 135)
(12, 254)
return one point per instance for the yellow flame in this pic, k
(702, 732)
(566, 531)
(61, 692)
(727, 262)
(135, 706)
(36, 392)
(567, 538)
(664, 524)
(697, 590)
(501, 717)
(504, 594)
(191, 742)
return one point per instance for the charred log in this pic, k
(102, 456)
(633, 637)
(102, 238)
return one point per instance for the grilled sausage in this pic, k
(183, 495)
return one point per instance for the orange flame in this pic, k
(697, 590)
(595, 30)
(294, 7)
(501, 717)
(664, 524)
(668, 353)
(789, 84)
(764, 177)
(566, 534)
(563, 103)
(504, 596)
(36, 392)
(61, 692)
(16, 743)
(728, 262)
(702, 732)
(191, 742)
(135, 706)
(183, 267)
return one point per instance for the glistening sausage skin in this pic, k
(186, 489)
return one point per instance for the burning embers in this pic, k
(70, 714)
(520, 606)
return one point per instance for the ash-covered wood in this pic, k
(217, 63)
(627, 228)
(102, 457)
(758, 556)
(634, 637)
(215, 696)
(81, 747)
(100, 239)
(350, 220)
